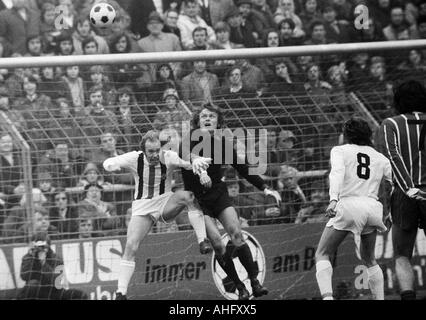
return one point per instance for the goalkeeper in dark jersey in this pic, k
(212, 195)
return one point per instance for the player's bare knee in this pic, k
(185, 197)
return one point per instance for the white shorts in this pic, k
(359, 215)
(151, 207)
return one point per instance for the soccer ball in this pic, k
(102, 15)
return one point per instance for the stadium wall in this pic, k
(170, 266)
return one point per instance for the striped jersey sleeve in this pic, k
(395, 134)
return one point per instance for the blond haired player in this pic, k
(357, 171)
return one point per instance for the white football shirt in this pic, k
(357, 171)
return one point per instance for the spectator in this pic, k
(314, 85)
(125, 74)
(318, 34)
(285, 10)
(64, 215)
(85, 229)
(248, 208)
(314, 210)
(200, 39)
(223, 30)
(235, 88)
(337, 77)
(11, 176)
(158, 41)
(378, 77)
(19, 23)
(13, 225)
(286, 32)
(36, 109)
(309, 14)
(242, 30)
(84, 31)
(247, 26)
(127, 117)
(252, 76)
(66, 127)
(91, 175)
(214, 11)
(51, 86)
(414, 66)
(92, 207)
(358, 71)
(42, 221)
(373, 32)
(48, 30)
(200, 85)
(64, 44)
(139, 12)
(76, 87)
(47, 188)
(286, 142)
(398, 29)
(381, 12)
(165, 80)
(61, 164)
(99, 78)
(421, 26)
(173, 114)
(267, 65)
(90, 46)
(40, 271)
(170, 23)
(15, 116)
(336, 32)
(344, 11)
(292, 195)
(34, 46)
(14, 83)
(95, 119)
(262, 18)
(273, 160)
(189, 20)
(283, 83)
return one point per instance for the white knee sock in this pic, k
(324, 278)
(126, 271)
(196, 219)
(376, 282)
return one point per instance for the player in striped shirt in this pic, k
(402, 140)
(357, 171)
(152, 169)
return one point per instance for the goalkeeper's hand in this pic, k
(416, 194)
(205, 180)
(200, 164)
(275, 194)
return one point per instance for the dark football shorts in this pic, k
(214, 200)
(407, 213)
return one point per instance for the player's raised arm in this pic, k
(124, 161)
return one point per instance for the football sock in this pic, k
(324, 277)
(246, 258)
(225, 261)
(125, 274)
(196, 219)
(376, 282)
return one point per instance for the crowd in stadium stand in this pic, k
(77, 116)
